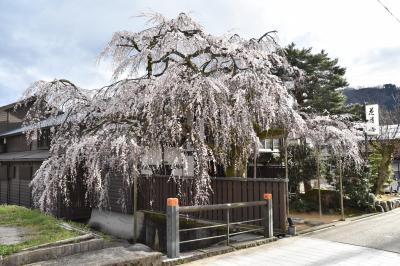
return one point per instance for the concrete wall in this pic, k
(116, 224)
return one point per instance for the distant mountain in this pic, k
(383, 95)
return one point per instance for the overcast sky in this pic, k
(47, 39)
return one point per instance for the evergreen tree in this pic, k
(323, 77)
(317, 93)
(302, 166)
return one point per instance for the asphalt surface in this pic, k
(380, 232)
(371, 241)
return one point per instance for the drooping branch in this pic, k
(197, 101)
(268, 35)
(133, 43)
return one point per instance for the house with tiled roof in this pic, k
(19, 159)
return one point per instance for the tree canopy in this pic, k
(203, 99)
(319, 96)
(323, 77)
(175, 88)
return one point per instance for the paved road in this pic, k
(380, 232)
(372, 241)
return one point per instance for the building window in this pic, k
(271, 144)
(43, 141)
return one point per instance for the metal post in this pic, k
(319, 182)
(255, 162)
(172, 228)
(227, 227)
(341, 189)
(286, 175)
(366, 147)
(268, 216)
(135, 214)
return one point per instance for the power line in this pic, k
(388, 10)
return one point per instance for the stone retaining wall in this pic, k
(386, 205)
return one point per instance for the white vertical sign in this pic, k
(372, 117)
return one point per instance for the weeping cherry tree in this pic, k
(340, 136)
(175, 89)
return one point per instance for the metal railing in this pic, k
(173, 212)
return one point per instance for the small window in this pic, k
(267, 144)
(271, 144)
(276, 143)
(43, 141)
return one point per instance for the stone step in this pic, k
(107, 256)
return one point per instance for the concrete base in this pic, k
(214, 251)
(116, 224)
(105, 257)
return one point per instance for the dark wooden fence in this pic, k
(15, 190)
(275, 171)
(154, 191)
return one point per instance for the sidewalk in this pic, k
(304, 251)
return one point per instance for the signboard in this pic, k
(372, 117)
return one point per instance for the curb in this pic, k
(335, 223)
(61, 242)
(49, 253)
(364, 216)
(316, 228)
